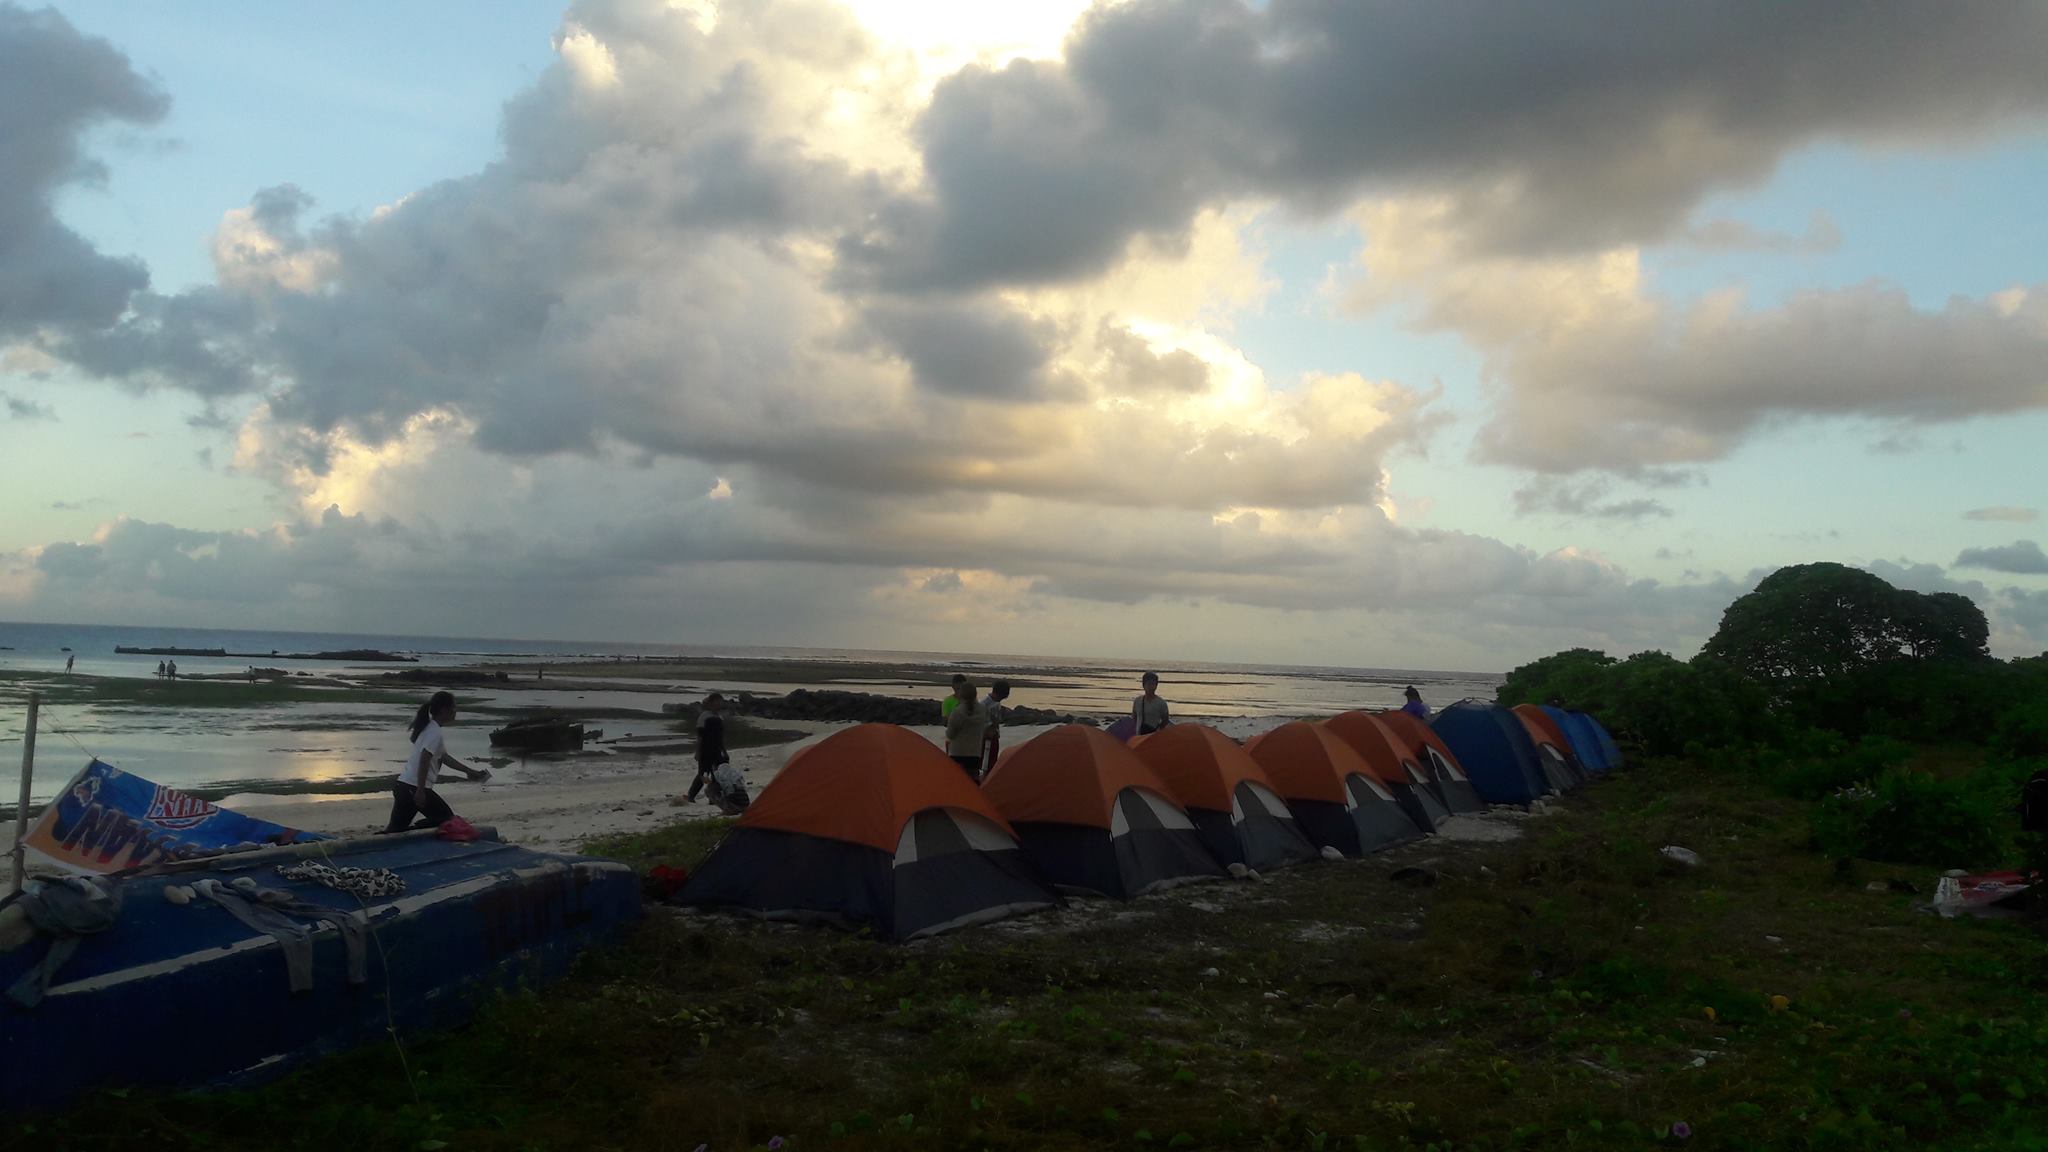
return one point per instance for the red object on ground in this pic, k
(460, 830)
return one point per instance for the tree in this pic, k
(1810, 622)
(1573, 675)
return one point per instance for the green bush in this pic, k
(1907, 817)
(2021, 730)
(1658, 705)
(1816, 763)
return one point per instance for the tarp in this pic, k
(106, 820)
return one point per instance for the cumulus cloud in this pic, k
(1598, 372)
(1549, 128)
(56, 84)
(2020, 558)
(2004, 515)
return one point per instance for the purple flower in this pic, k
(774, 1142)
(1681, 1131)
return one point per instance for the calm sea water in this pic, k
(308, 743)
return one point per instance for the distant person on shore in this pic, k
(159, 669)
(413, 792)
(992, 744)
(171, 670)
(711, 750)
(1415, 707)
(1148, 711)
(68, 662)
(967, 730)
(951, 702)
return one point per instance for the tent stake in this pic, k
(28, 768)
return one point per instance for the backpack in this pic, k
(2034, 803)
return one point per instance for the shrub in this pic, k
(1816, 763)
(1907, 817)
(2021, 730)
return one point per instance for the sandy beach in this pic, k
(560, 806)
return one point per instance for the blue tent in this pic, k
(1494, 749)
(1608, 748)
(1584, 735)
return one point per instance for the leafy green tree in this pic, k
(1572, 675)
(1810, 622)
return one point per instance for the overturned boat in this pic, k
(542, 734)
(347, 937)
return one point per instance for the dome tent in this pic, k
(1419, 795)
(1227, 795)
(1494, 748)
(871, 827)
(1414, 740)
(1561, 766)
(1093, 818)
(1590, 742)
(1336, 797)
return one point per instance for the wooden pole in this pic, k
(28, 769)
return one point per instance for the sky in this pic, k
(1357, 334)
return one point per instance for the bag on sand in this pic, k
(729, 790)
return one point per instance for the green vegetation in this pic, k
(1572, 990)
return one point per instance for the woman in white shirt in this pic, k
(413, 792)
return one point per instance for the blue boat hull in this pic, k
(187, 996)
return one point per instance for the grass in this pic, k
(1572, 990)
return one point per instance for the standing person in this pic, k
(710, 743)
(951, 702)
(413, 792)
(966, 729)
(171, 671)
(68, 662)
(159, 669)
(1415, 707)
(992, 745)
(1148, 711)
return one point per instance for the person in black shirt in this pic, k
(710, 742)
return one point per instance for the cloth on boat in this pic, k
(368, 883)
(271, 912)
(63, 908)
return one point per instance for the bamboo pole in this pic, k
(28, 768)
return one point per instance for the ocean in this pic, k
(304, 746)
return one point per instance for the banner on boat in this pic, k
(106, 820)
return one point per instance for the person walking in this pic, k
(710, 743)
(413, 792)
(1148, 711)
(992, 744)
(967, 730)
(68, 662)
(1415, 707)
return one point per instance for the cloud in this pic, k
(2004, 515)
(2020, 558)
(1546, 129)
(1550, 494)
(1598, 373)
(20, 409)
(1821, 235)
(56, 85)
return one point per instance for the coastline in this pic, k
(559, 805)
